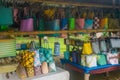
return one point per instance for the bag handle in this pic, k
(2, 3)
(78, 12)
(45, 43)
(33, 46)
(62, 13)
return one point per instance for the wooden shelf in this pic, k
(54, 32)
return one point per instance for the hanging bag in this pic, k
(103, 21)
(26, 25)
(47, 52)
(96, 19)
(37, 63)
(80, 22)
(6, 16)
(71, 20)
(103, 46)
(63, 22)
(95, 46)
(53, 24)
(115, 42)
(89, 20)
(113, 22)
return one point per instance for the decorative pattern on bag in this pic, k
(37, 58)
(112, 58)
(80, 22)
(104, 23)
(52, 67)
(88, 24)
(48, 55)
(30, 71)
(64, 24)
(37, 70)
(96, 23)
(28, 59)
(41, 54)
(101, 59)
(91, 60)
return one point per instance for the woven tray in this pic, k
(8, 68)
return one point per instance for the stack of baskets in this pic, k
(7, 50)
(7, 47)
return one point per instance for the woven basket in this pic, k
(8, 68)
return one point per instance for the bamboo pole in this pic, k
(74, 3)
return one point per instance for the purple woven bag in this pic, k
(26, 25)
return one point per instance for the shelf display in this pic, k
(87, 56)
(97, 56)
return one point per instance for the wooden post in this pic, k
(86, 76)
(107, 74)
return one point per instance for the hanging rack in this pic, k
(65, 3)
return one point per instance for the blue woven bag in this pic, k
(53, 25)
(88, 24)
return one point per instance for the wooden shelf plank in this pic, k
(54, 32)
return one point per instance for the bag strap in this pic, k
(45, 43)
(33, 46)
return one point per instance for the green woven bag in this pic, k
(101, 60)
(6, 17)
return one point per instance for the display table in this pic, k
(58, 75)
(88, 71)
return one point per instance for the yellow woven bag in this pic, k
(87, 49)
